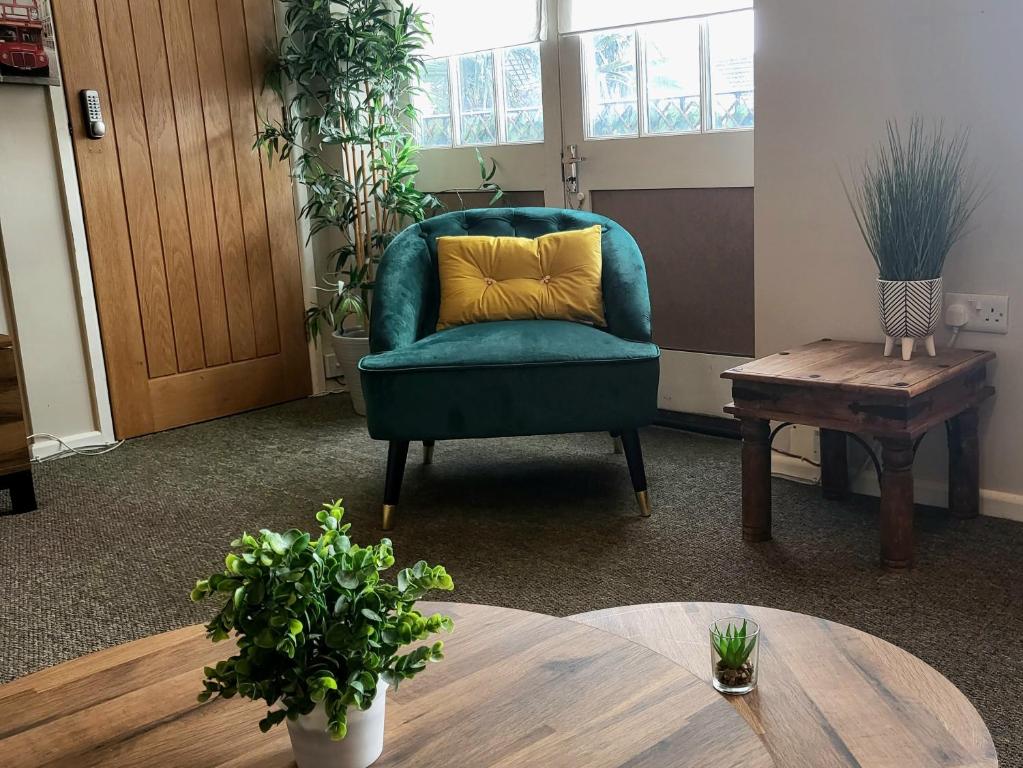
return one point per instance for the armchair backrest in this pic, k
(406, 297)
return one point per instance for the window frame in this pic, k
(640, 48)
(500, 104)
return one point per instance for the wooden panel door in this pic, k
(192, 235)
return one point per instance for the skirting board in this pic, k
(43, 447)
(719, 426)
(992, 503)
(791, 468)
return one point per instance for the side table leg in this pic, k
(964, 465)
(23, 492)
(897, 503)
(756, 480)
(834, 464)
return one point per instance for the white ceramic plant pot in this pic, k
(313, 747)
(349, 348)
(910, 310)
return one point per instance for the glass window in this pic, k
(523, 97)
(672, 56)
(730, 38)
(434, 105)
(477, 113)
(695, 75)
(611, 84)
(491, 97)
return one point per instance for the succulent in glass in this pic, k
(734, 651)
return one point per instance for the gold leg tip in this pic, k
(388, 516)
(428, 454)
(643, 499)
(618, 446)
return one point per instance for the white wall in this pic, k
(828, 74)
(43, 248)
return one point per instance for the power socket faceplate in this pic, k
(984, 313)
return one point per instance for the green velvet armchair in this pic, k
(506, 378)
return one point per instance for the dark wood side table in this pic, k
(15, 461)
(849, 387)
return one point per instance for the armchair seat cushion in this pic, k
(506, 378)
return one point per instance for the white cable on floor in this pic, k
(85, 450)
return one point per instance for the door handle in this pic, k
(95, 128)
(570, 163)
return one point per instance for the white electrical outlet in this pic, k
(983, 313)
(804, 441)
(331, 369)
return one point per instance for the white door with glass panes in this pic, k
(491, 85)
(655, 99)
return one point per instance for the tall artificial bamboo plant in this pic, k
(913, 202)
(346, 71)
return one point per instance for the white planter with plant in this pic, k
(912, 205)
(319, 635)
(346, 73)
(349, 348)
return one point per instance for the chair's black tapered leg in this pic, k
(397, 452)
(634, 457)
(428, 451)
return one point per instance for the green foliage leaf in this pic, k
(734, 645)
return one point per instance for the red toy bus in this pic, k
(21, 38)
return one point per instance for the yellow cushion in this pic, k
(554, 277)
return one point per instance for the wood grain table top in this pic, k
(828, 695)
(860, 367)
(515, 689)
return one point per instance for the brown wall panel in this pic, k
(698, 247)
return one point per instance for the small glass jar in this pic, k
(734, 654)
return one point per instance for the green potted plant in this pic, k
(734, 652)
(320, 635)
(346, 71)
(487, 184)
(912, 204)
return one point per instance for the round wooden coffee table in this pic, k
(516, 689)
(827, 694)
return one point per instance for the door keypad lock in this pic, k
(95, 128)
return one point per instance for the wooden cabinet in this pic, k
(15, 466)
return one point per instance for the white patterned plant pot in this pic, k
(349, 348)
(910, 310)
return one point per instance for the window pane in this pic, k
(434, 105)
(476, 98)
(611, 84)
(673, 77)
(731, 69)
(523, 119)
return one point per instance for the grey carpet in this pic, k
(546, 524)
